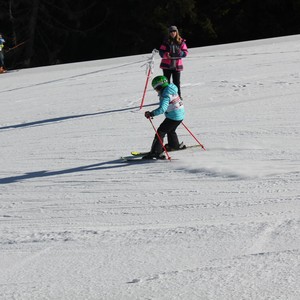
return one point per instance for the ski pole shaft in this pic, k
(193, 136)
(150, 66)
(145, 89)
(160, 140)
(16, 46)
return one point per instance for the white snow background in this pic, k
(77, 222)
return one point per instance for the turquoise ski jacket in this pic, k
(170, 104)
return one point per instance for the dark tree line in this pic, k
(44, 32)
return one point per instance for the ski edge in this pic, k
(139, 159)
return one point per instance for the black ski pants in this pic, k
(175, 77)
(167, 127)
(1, 59)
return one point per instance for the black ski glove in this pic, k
(148, 114)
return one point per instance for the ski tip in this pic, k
(135, 152)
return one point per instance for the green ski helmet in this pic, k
(160, 82)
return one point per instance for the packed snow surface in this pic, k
(77, 222)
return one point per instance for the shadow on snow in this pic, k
(117, 163)
(59, 119)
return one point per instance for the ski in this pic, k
(137, 153)
(139, 159)
(136, 156)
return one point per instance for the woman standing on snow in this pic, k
(172, 50)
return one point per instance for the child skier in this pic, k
(171, 105)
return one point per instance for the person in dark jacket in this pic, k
(172, 50)
(2, 41)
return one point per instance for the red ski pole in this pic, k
(150, 66)
(147, 80)
(160, 140)
(193, 136)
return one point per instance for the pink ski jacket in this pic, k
(171, 54)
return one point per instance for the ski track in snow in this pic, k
(77, 222)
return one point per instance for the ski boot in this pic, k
(180, 147)
(151, 155)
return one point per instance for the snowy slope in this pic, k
(78, 223)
